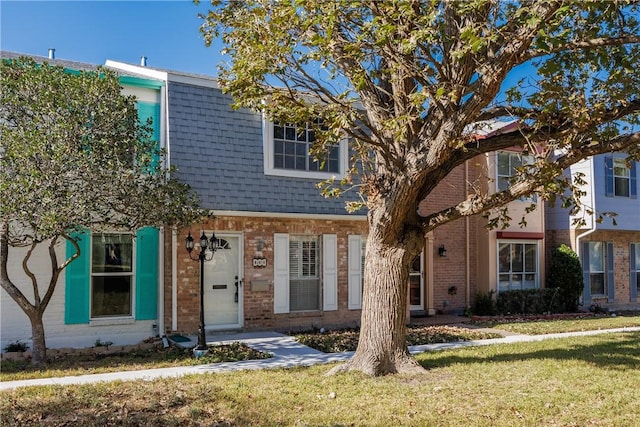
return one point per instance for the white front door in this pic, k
(223, 285)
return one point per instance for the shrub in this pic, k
(530, 301)
(565, 273)
(485, 304)
(16, 346)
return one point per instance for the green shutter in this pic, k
(151, 110)
(147, 240)
(78, 281)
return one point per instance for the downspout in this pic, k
(594, 224)
(174, 280)
(161, 252)
(467, 275)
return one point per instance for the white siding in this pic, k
(15, 325)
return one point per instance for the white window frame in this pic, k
(268, 151)
(620, 163)
(525, 160)
(637, 270)
(511, 272)
(603, 272)
(131, 274)
(316, 278)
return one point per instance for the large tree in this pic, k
(73, 156)
(407, 81)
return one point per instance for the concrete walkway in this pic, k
(287, 353)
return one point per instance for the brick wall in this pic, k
(621, 241)
(258, 304)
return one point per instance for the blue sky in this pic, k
(166, 32)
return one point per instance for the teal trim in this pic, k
(147, 240)
(139, 82)
(78, 281)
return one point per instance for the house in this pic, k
(111, 292)
(609, 249)
(289, 258)
(292, 259)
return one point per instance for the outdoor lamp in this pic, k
(189, 243)
(442, 251)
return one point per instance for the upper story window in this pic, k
(507, 165)
(287, 153)
(620, 178)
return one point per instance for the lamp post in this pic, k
(213, 245)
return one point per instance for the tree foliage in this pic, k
(410, 82)
(74, 156)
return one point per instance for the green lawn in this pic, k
(566, 325)
(579, 381)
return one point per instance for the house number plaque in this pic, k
(259, 262)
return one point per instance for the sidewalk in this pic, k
(287, 353)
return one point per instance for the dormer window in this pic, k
(287, 151)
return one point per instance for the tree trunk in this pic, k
(39, 350)
(382, 346)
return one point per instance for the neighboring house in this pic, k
(479, 259)
(111, 292)
(609, 249)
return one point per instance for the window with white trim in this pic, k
(597, 280)
(621, 178)
(112, 275)
(517, 266)
(304, 273)
(637, 266)
(287, 152)
(507, 165)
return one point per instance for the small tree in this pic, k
(73, 156)
(565, 273)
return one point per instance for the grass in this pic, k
(83, 364)
(564, 325)
(578, 381)
(347, 339)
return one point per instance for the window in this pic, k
(287, 153)
(517, 266)
(304, 273)
(111, 275)
(508, 163)
(620, 178)
(637, 247)
(634, 264)
(596, 269)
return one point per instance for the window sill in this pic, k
(111, 321)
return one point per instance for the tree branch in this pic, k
(584, 44)
(477, 204)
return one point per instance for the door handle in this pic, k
(238, 284)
